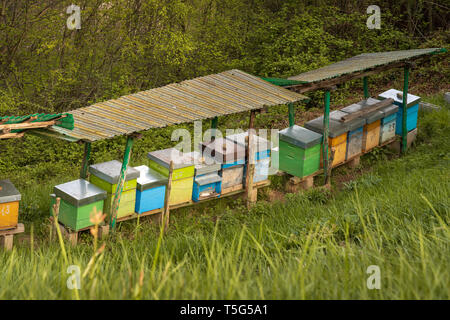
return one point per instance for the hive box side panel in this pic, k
(111, 188)
(150, 199)
(181, 191)
(9, 215)
(126, 206)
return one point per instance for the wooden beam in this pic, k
(372, 108)
(250, 193)
(27, 125)
(166, 211)
(12, 135)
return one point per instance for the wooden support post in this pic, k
(326, 126)
(291, 114)
(122, 177)
(366, 87)
(7, 241)
(86, 159)
(405, 108)
(103, 231)
(7, 236)
(214, 123)
(166, 212)
(251, 192)
(353, 163)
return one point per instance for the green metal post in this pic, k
(291, 114)
(86, 158)
(326, 126)
(405, 108)
(366, 88)
(119, 189)
(214, 122)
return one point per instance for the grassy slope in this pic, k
(310, 245)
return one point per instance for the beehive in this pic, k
(79, 199)
(207, 186)
(150, 191)
(9, 205)
(299, 151)
(106, 176)
(337, 138)
(371, 134)
(412, 104)
(182, 175)
(355, 135)
(207, 180)
(261, 157)
(262, 146)
(388, 123)
(232, 158)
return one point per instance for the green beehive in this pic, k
(299, 151)
(79, 199)
(106, 176)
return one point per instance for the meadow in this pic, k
(392, 212)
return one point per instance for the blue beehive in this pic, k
(412, 104)
(151, 190)
(207, 186)
(207, 181)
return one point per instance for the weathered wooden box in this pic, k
(151, 190)
(79, 199)
(9, 205)
(337, 141)
(262, 146)
(182, 176)
(299, 151)
(224, 151)
(232, 157)
(412, 104)
(232, 176)
(356, 132)
(106, 176)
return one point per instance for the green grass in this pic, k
(312, 245)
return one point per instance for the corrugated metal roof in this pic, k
(362, 62)
(206, 97)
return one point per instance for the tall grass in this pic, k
(313, 245)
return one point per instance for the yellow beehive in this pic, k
(338, 145)
(371, 135)
(9, 205)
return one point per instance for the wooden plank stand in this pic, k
(7, 236)
(72, 236)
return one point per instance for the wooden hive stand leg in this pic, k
(307, 183)
(293, 185)
(6, 241)
(73, 238)
(354, 162)
(103, 231)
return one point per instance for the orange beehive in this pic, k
(337, 140)
(371, 134)
(9, 205)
